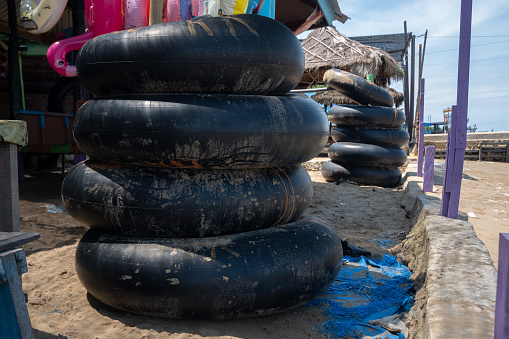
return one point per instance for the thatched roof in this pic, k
(336, 98)
(326, 48)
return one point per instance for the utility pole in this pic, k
(408, 120)
(412, 86)
(418, 110)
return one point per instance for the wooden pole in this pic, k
(417, 109)
(412, 86)
(502, 302)
(78, 27)
(13, 66)
(422, 56)
(9, 196)
(457, 136)
(420, 153)
(406, 92)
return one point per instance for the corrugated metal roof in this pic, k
(394, 44)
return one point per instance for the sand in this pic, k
(484, 197)
(369, 217)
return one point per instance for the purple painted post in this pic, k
(420, 149)
(429, 168)
(457, 137)
(502, 303)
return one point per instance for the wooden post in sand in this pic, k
(502, 303)
(9, 196)
(429, 168)
(420, 139)
(456, 140)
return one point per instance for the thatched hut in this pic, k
(326, 48)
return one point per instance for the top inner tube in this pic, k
(241, 54)
(358, 89)
(366, 116)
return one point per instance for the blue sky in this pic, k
(489, 67)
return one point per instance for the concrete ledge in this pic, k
(473, 139)
(442, 137)
(453, 274)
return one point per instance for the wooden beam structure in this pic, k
(457, 137)
(46, 38)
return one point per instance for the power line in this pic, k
(455, 63)
(473, 36)
(455, 49)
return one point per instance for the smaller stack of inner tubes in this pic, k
(195, 191)
(368, 139)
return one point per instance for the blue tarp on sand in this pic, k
(365, 290)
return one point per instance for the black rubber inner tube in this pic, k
(201, 130)
(357, 88)
(241, 54)
(235, 276)
(366, 116)
(184, 202)
(363, 175)
(366, 155)
(390, 137)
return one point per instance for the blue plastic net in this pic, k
(365, 290)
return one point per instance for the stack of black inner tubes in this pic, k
(368, 137)
(194, 192)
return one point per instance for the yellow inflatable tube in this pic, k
(42, 17)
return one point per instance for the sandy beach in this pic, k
(367, 216)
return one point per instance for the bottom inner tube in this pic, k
(390, 137)
(235, 276)
(363, 175)
(366, 155)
